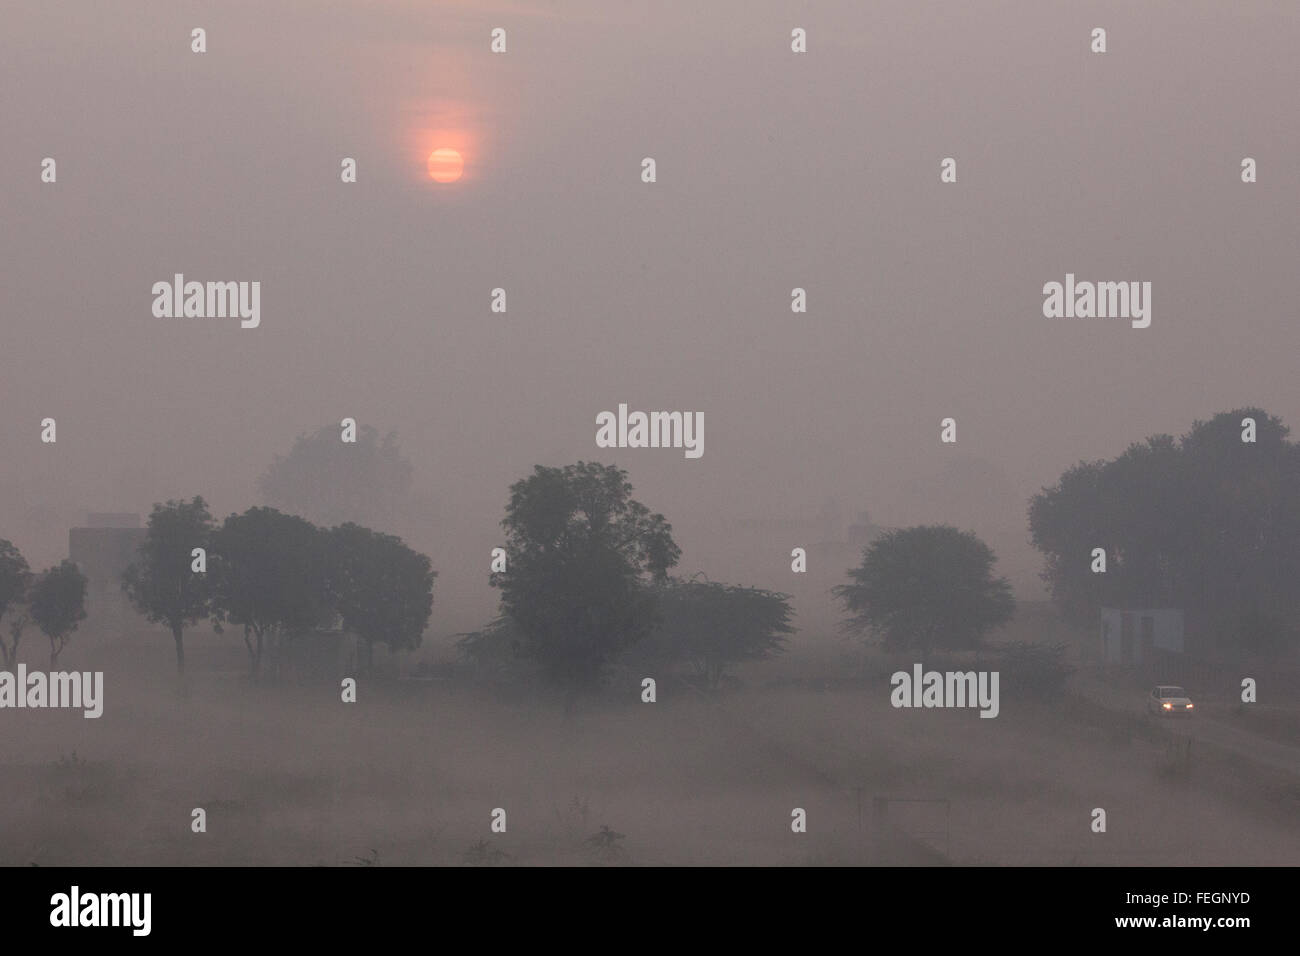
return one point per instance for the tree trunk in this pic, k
(254, 651)
(55, 649)
(180, 650)
(370, 657)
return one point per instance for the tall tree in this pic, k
(382, 590)
(581, 555)
(1129, 507)
(58, 605)
(162, 583)
(331, 482)
(712, 626)
(15, 579)
(270, 576)
(927, 587)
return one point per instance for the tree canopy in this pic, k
(270, 576)
(382, 590)
(58, 605)
(927, 587)
(15, 579)
(582, 555)
(712, 626)
(161, 584)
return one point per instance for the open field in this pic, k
(411, 773)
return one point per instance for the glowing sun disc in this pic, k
(445, 165)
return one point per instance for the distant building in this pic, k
(112, 519)
(102, 551)
(1138, 635)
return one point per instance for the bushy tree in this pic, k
(15, 579)
(382, 590)
(161, 584)
(711, 626)
(1033, 670)
(582, 555)
(927, 587)
(270, 576)
(58, 605)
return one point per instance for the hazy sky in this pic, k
(775, 170)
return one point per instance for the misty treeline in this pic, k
(275, 578)
(1209, 523)
(54, 600)
(586, 577)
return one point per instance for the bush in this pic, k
(1033, 670)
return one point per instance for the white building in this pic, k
(1134, 635)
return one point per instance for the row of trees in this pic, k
(588, 570)
(1209, 522)
(277, 576)
(588, 578)
(54, 600)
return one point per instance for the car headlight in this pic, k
(1167, 706)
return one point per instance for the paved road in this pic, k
(1217, 731)
(1275, 754)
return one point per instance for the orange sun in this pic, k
(445, 165)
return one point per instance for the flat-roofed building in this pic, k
(102, 550)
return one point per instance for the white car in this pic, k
(1169, 699)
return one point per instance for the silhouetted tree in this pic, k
(712, 625)
(161, 584)
(58, 605)
(929, 586)
(382, 590)
(270, 577)
(581, 554)
(332, 482)
(15, 579)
